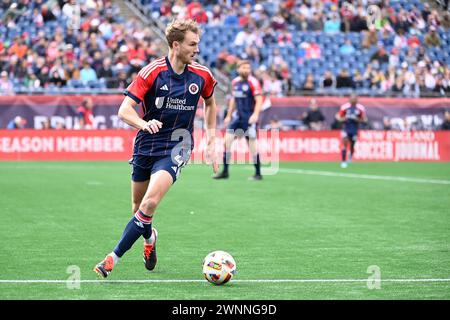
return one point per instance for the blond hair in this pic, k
(177, 29)
(242, 62)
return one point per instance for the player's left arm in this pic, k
(255, 115)
(256, 88)
(210, 119)
(363, 115)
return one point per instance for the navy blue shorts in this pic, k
(350, 135)
(242, 124)
(144, 166)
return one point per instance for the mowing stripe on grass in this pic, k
(364, 176)
(202, 280)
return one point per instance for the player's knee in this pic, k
(148, 205)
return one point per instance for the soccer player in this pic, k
(247, 100)
(169, 89)
(351, 114)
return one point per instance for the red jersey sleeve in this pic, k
(255, 86)
(138, 88)
(144, 80)
(362, 110)
(343, 110)
(209, 81)
(208, 87)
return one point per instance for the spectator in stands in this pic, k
(106, 73)
(315, 23)
(426, 11)
(358, 80)
(400, 39)
(432, 38)
(275, 58)
(46, 125)
(380, 55)
(370, 37)
(72, 11)
(446, 124)
(6, 85)
(18, 48)
(284, 38)
(347, 48)
(433, 19)
(446, 20)
(71, 72)
(309, 84)
(87, 74)
(387, 123)
(56, 80)
(359, 21)
(394, 59)
(328, 80)
(344, 80)
(121, 81)
(17, 123)
(332, 24)
(32, 82)
(314, 118)
(272, 85)
(85, 114)
(245, 37)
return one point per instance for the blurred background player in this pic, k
(351, 114)
(169, 89)
(85, 115)
(247, 101)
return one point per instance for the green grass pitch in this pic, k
(295, 225)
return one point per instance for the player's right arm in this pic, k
(128, 114)
(231, 107)
(340, 116)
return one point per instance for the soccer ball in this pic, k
(219, 267)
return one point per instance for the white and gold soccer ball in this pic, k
(219, 267)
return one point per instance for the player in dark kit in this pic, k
(247, 100)
(169, 89)
(351, 114)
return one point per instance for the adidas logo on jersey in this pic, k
(164, 87)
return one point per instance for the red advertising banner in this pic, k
(77, 145)
(403, 113)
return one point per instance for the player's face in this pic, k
(244, 70)
(188, 48)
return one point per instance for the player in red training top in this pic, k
(169, 89)
(351, 114)
(247, 101)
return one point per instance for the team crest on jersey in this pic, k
(244, 87)
(159, 101)
(193, 88)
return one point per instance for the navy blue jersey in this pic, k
(352, 116)
(244, 93)
(170, 98)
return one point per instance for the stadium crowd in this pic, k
(86, 44)
(80, 45)
(394, 31)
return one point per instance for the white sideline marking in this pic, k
(236, 280)
(363, 176)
